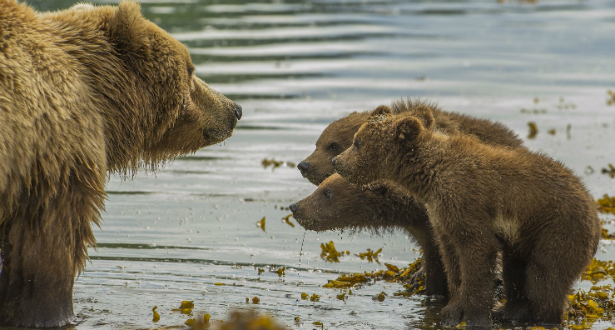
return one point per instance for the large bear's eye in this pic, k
(190, 70)
(334, 146)
(327, 193)
(357, 143)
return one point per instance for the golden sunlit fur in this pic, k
(83, 92)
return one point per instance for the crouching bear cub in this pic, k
(481, 199)
(337, 204)
(83, 92)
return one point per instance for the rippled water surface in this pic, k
(295, 66)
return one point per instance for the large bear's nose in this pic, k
(238, 111)
(293, 208)
(334, 160)
(303, 167)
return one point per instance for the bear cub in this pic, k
(337, 204)
(482, 199)
(351, 207)
(337, 137)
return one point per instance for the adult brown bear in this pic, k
(83, 92)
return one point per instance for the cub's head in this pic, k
(383, 145)
(336, 138)
(337, 204)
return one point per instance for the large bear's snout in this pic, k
(238, 111)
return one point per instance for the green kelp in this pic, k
(330, 254)
(199, 323)
(606, 235)
(610, 171)
(250, 320)
(606, 204)
(588, 307)
(533, 130)
(286, 220)
(598, 270)
(156, 317)
(370, 255)
(185, 307)
(413, 284)
(275, 163)
(262, 223)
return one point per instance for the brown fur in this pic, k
(83, 92)
(364, 209)
(339, 134)
(481, 199)
(337, 204)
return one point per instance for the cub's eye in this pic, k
(357, 143)
(190, 70)
(334, 146)
(327, 193)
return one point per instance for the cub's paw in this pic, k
(418, 278)
(518, 312)
(478, 319)
(452, 314)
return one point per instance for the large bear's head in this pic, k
(154, 107)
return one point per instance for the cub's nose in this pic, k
(334, 160)
(238, 111)
(303, 167)
(293, 208)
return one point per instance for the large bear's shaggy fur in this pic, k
(481, 199)
(83, 92)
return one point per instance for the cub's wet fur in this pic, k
(337, 137)
(482, 199)
(337, 204)
(364, 209)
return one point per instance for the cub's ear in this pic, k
(377, 187)
(425, 114)
(128, 31)
(381, 110)
(407, 128)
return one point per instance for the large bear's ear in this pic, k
(381, 110)
(408, 128)
(128, 30)
(425, 114)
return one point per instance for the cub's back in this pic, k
(487, 131)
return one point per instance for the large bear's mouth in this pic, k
(219, 134)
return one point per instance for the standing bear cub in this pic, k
(337, 204)
(480, 200)
(83, 92)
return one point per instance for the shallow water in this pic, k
(295, 66)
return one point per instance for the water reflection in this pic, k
(295, 66)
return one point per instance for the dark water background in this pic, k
(295, 66)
